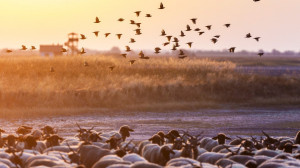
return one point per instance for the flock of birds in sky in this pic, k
(170, 39)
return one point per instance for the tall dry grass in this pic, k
(156, 84)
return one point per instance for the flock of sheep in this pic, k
(176, 149)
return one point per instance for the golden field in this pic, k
(161, 83)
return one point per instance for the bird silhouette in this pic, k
(227, 25)
(182, 34)
(166, 43)
(157, 49)
(257, 39)
(24, 47)
(177, 44)
(148, 15)
(96, 33)
(82, 37)
(138, 24)
(208, 27)
(107, 34)
(121, 20)
(97, 20)
(197, 29)
(256, 0)
(260, 54)
(214, 40)
(181, 52)
(111, 68)
(137, 13)
(200, 33)
(82, 51)
(124, 55)
(174, 48)
(132, 22)
(163, 33)
(132, 40)
(188, 28)
(175, 40)
(119, 36)
(142, 55)
(161, 6)
(217, 36)
(248, 35)
(194, 20)
(33, 48)
(131, 61)
(190, 44)
(232, 49)
(128, 49)
(169, 38)
(137, 31)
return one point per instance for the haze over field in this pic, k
(34, 22)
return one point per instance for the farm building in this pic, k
(51, 50)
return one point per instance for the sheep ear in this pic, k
(215, 138)
(228, 138)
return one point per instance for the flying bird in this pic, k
(33, 48)
(176, 40)
(181, 52)
(163, 33)
(174, 48)
(148, 15)
(217, 36)
(119, 36)
(161, 6)
(124, 55)
(227, 25)
(208, 27)
(182, 34)
(190, 44)
(200, 33)
(256, 0)
(197, 29)
(166, 43)
(137, 31)
(24, 47)
(137, 13)
(132, 22)
(194, 20)
(82, 51)
(132, 40)
(188, 28)
(177, 44)
(131, 62)
(169, 38)
(97, 20)
(121, 20)
(107, 34)
(257, 39)
(248, 35)
(231, 49)
(157, 49)
(142, 55)
(96, 33)
(138, 24)
(82, 37)
(128, 49)
(214, 40)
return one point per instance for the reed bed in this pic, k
(161, 83)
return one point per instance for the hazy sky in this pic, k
(35, 22)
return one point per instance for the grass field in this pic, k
(158, 84)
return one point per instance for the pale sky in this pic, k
(35, 22)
